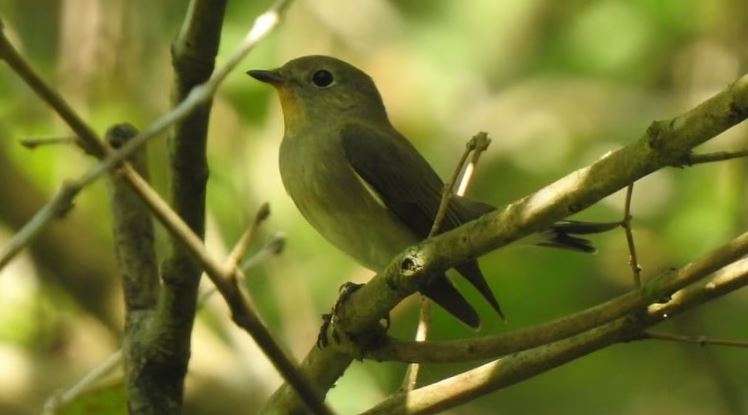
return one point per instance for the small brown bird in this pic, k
(363, 185)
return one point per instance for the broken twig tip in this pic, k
(263, 212)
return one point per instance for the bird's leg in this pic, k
(344, 292)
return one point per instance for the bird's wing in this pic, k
(401, 178)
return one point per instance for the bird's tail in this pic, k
(565, 235)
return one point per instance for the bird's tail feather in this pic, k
(473, 274)
(442, 292)
(563, 235)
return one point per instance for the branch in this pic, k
(494, 346)
(636, 269)
(56, 208)
(89, 381)
(523, 365)
(59, 400)
(663, 144)
(147, 389)
(34, 142)
(71, 260)
(700, 340)
(133, 235)
(692, 159)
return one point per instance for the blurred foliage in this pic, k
(555, 84)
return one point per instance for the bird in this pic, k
(364, 186)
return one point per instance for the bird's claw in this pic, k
(374, 336)
(344, 292)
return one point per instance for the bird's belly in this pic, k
(334, 201)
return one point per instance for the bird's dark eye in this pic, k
(322, 78)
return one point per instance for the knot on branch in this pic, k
(737, 112)
(412, 263)
(657, 134)
(118, 134)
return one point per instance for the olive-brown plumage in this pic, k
(363, 185)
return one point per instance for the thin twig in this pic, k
(34, 142)
(241, 247)
(692, 159)
(410, 380)
(457, 184)
(480, 144)
(700, 340)
(56, 208)
(104, 368)
(626, 224)
(274, 246)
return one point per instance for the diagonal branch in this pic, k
(494, 346)
(512, 369)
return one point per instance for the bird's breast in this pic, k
(335, 201)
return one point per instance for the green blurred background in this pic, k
(555, 84)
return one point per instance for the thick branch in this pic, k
(193, 55)
(517, 367)
(134, 244)
(494, 346)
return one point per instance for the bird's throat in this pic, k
(292, 113)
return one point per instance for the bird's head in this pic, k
(323, 89)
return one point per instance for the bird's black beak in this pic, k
(272, 77)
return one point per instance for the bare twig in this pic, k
(274, 246)
(34, 142)
(476, 145)
(626, 224)
(240, 249)
(53, 404)
(480, 143)
(60, 204)
(410, 380)
(456, 185)
(700, 340)
(271, 248)
(691, 159)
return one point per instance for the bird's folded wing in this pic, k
(402, 179)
